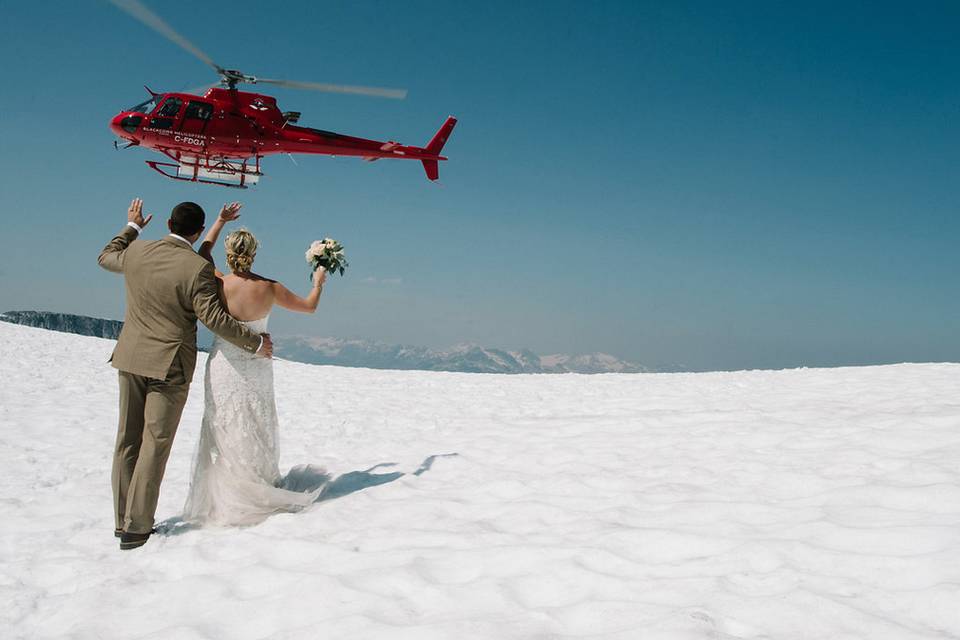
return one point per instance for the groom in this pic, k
(168, 288)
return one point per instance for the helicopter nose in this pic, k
(115, 124)
(125, 125)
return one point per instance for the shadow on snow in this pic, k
(308, 478)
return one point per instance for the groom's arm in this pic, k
(210, 311)
(111, 258)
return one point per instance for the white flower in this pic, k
(316, 250)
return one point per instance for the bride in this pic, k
(236, 479)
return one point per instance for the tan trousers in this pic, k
(150, 412)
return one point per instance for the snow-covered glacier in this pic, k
(809, 503)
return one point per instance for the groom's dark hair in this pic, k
(186, 219)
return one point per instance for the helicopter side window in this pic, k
(161, 123)
(171, 108)
(198, 110)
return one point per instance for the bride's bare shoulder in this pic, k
(250, 279)
(256, 277)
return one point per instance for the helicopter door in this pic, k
(196, 117)
(160, 126)
(166, 115)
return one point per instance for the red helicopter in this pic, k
(220, 137)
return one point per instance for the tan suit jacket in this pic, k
(169, 287)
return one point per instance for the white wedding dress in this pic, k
(236, 479)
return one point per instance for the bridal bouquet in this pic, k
(327, 253)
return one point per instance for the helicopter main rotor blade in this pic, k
(397, 94)
(136, 9)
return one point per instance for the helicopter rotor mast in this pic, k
(230, 78)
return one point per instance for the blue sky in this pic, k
(754, 185)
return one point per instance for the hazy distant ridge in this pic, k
(467, 358)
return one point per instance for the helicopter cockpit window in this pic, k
(147, 106)
(171, 108)
(198, 110)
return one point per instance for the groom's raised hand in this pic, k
(135, 214)
(266, 347)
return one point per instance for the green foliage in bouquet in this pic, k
(327, 253)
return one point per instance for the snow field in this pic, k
(765, 504)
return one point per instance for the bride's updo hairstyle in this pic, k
(241, 249)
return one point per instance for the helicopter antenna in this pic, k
(230, 78)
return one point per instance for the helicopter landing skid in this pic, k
(206, 170)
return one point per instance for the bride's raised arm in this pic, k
(289, 300)
(228, 213)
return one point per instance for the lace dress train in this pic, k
(236, 477)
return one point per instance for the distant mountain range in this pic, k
(371, 354)
(466, 357)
